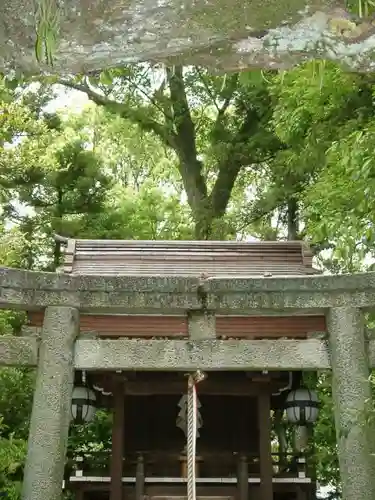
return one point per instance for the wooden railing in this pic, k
(152, 465)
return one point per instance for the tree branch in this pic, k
(181, 112)
(231, 165)
(137, 116)
(271, 201)
(152, 98)
(230, 87)
(189, 165)
(208, 90)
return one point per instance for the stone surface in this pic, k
(185, 355)
(221, 34)
(49, 426)
(201, 325)
(31, 331)
(36, 290)
(352, 399)
(16, 351)
(126, 294)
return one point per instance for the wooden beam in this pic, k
(118, 435)
(68, 256)
(246, 388)
(265, 450)
(210, 386)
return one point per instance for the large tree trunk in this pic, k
(204, 211)
(292, 217)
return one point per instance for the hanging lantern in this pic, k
(302, 406)
(83, 404)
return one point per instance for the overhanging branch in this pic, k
(228, 92)
(137, 116)
(181, 112)
(231, 165)
(185, 141)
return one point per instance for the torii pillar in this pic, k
(352, 399)
(50, 419)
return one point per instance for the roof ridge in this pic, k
(297, 243)
(183, 257)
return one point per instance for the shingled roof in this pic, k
(186, 258)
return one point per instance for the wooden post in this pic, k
(183, 464)
(140, 478)
(79, 494)
(243, 478)
(118, 428)
(266, 466)
(301, 494)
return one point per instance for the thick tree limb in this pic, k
(207, 88)
(189, 165)
(231, 165)
(183, 122)
(136, 115)
(228, 92)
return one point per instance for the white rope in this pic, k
(192, 412)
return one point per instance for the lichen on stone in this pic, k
(228, 35)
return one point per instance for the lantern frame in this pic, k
(302, 406)
(83, 404)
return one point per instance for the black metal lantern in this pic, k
(302, 406)
(83, 404)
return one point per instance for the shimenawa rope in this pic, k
(192, 410)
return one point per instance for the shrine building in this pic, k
(200, 351)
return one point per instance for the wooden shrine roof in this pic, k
(186, 258)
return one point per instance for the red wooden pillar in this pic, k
(118, 429)
(265, 449)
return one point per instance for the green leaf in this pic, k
(106, 77)
(251, 78)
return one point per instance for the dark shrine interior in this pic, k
(228, 408)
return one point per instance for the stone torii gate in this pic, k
(59, 350)
(225, 35)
